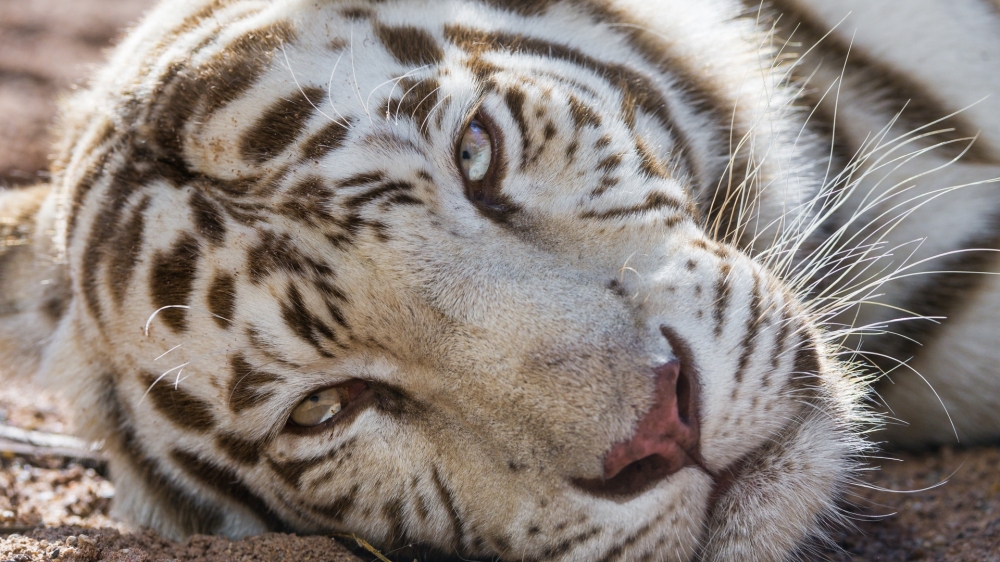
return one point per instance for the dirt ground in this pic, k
(943, 505)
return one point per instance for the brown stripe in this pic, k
(392, 512)
(448, 501)
(280, 126)
(222, 299)
(806, 367)
(410, 45)
(361, 179)
(103, 230)
(329, 138)
(890, 87)
(722, 292)
(754, 321)
(178, 405)
(514, 99)
(419, 505)
(241, 450)
(562, 547)
(99, 156)
(278, 253)
(172, 280)
(303, 323)
(245, 385)
(227, 76)
(227, 482)
(340, 507)
(292, 471)
(615, 552)
(128, 248)
(419, 98)
(208, 220)
(583, 115)
(308, 202)
(638, 90)
(781, 338)
(369, 196)
(190, 514)
(654, 201)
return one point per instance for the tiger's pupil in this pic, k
(476, 152)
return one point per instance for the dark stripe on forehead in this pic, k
(104, 230)
(208, 219)
(221, 299)
(308, 201)
(329, 138)
(637, 88)
(245, 385)
(172, 280)
(303, 323)
(280, 125)
(278, 253)
(179, 406)
(410, 45)
(227, 482)
(186, 92)
(890, 87)
(128, 245)
(99, 154)
(514, 98)
(419, 98)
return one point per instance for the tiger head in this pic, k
(485, 277)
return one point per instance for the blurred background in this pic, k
(48, 47)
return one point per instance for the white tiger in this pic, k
(518, 280)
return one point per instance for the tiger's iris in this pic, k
(475, 152)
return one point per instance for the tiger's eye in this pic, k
(475, 152)
(319, 407)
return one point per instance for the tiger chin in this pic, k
(499, 279)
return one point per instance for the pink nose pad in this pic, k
(666, 439)
(667, 435)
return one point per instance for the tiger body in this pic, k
(257, 201)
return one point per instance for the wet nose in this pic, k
(665, 439)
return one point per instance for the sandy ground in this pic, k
(51, 508)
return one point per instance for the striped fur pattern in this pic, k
(257, 199)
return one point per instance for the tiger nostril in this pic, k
(665, 439)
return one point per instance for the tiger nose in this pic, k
(665, 439)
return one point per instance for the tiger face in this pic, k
(459, 274)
